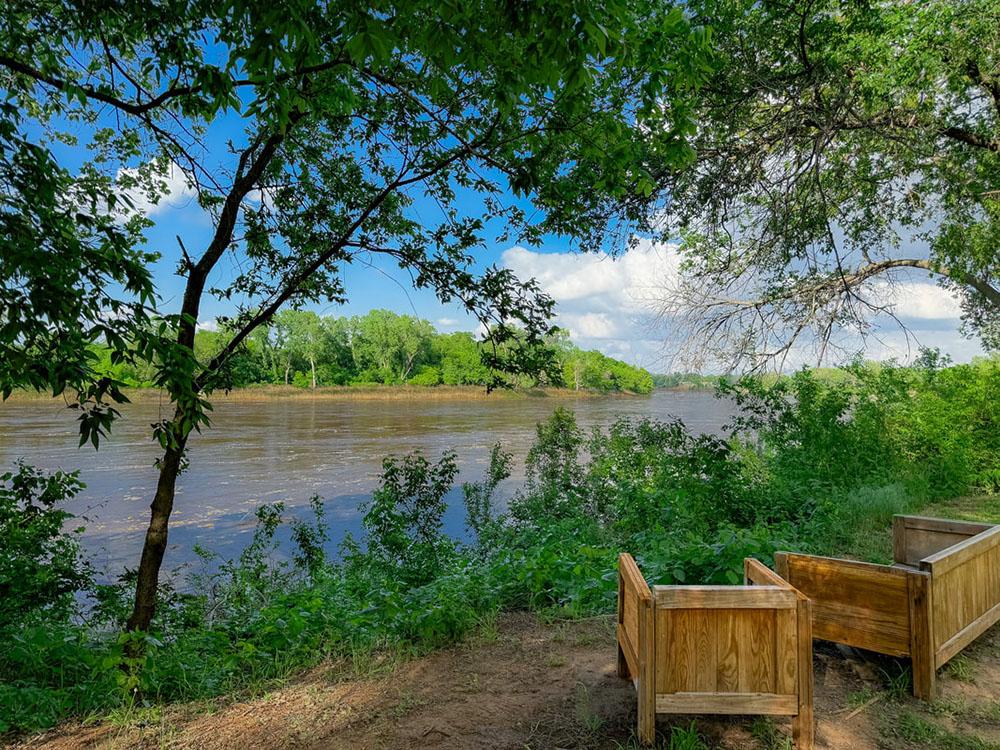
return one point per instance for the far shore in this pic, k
(366, 393)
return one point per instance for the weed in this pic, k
(766, 732)
(898, 684)
(961, 668)
(916, 729)
(586, 716)
(682, 738)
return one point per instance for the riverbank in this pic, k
(374, 392)
(813, 468)
(522, 681)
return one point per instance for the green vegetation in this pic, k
(687, 381)
(833, 140)
(313, 137)
(809, 465)
(304, 349)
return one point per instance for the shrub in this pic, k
(41, 567)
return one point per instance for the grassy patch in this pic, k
(920, 731)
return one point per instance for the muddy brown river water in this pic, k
(290, 448)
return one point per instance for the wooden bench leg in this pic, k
(921, 640)
(647, 674)
(803, 723)
(802, 730)
(622, 664)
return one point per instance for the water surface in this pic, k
(290, 448)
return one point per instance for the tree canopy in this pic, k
(311, 134)
(841, 146)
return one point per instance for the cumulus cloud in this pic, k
(924, 301)
(602, 301)
(606, 303)
(178, 190)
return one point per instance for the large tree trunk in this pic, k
(156, 539)
(312, 364)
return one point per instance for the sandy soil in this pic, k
(526, 684)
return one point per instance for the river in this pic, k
(266, 449)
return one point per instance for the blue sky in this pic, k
(606, 304)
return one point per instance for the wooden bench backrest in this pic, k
(726, 649)
(860, 604)
(966, 592)
(718, 649)
(917, 537)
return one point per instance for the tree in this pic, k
(841, 146)
(460, 359)
(388, 346)
(349, 116)
(304, 337)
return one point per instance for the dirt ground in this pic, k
(521, 683)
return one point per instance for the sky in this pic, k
(605, 303)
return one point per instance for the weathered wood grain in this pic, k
(727, 703)
(717, 649)
(860, 604)
(724, 597)
(916, 537)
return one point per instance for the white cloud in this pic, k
(178, 191)
(602, 301)
(607, 304)
(924, 301)
(208, 325)
(597, 279)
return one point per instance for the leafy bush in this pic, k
(41, 567)
(403, 521)
(816, 464)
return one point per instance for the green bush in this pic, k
(816, 464)
(41, 567)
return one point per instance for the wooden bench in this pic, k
(941, 593)
(716, 649)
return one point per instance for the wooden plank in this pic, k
(836, 564)
(770, 704)
(860, 604)
(967, 635)
(628, 653)
(755, 652)
(646, 686)
(950, 558)
(786, 652)
(724, 597)
(921, 634)
(899, 539)
(929, 523)
(727, 650)
(675, 651)
(705, 641)
(628, 568)
(781, 564)
(623, 662)
(803, 725)
(757, 573)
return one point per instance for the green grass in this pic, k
(922, 732)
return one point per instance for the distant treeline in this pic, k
(304, 349)
(686, 381)
(695, 381)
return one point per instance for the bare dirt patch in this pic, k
(529, 684)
